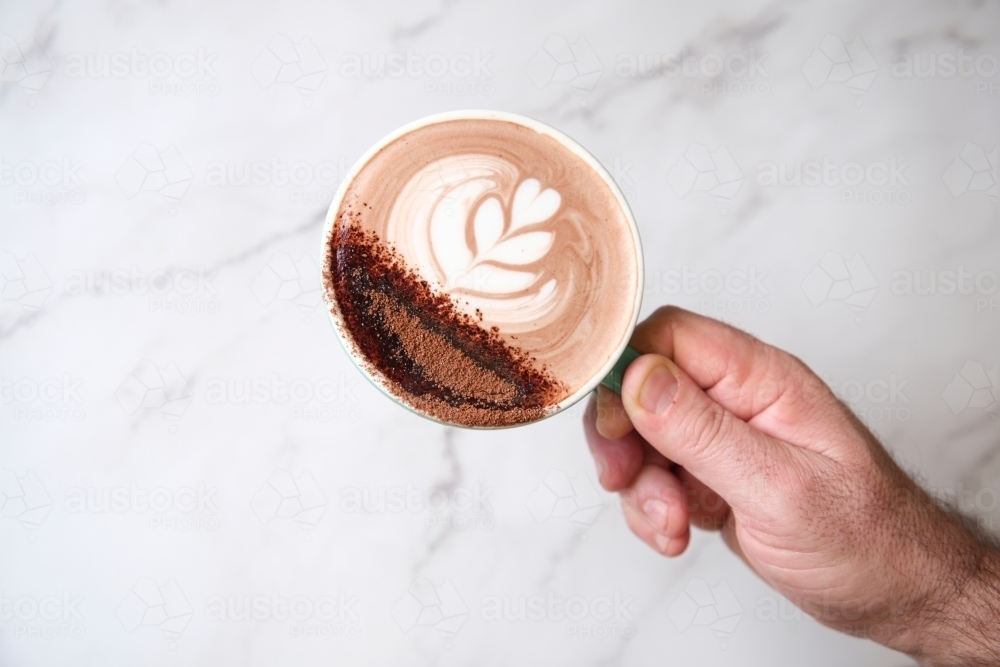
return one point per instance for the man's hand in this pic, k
(718, 430)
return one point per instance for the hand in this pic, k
(718, 430)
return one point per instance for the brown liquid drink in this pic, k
(484, 271)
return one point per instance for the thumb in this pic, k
(678, 419)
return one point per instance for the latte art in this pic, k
(477, 228)
(480, 243)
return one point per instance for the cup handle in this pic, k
(613, 380)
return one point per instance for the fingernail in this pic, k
(662, 542)
(656, 510)
(658, 390)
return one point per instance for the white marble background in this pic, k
(172, 451)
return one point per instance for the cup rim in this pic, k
(333, 308)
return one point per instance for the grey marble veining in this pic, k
(192, 471)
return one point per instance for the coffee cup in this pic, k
(482, 269)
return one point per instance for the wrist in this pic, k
(959, 620)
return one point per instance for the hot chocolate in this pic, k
(480, 270)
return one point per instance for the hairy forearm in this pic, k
(963, 626)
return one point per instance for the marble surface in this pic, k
(191, 470)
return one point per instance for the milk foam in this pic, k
(521, 232)
(473, 227)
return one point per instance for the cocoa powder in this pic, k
(429, 354)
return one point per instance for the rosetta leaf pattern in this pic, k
(501, 244)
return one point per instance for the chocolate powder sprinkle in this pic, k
(432, 356)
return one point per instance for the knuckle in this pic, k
(703, 427)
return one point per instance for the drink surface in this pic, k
(482, 271)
